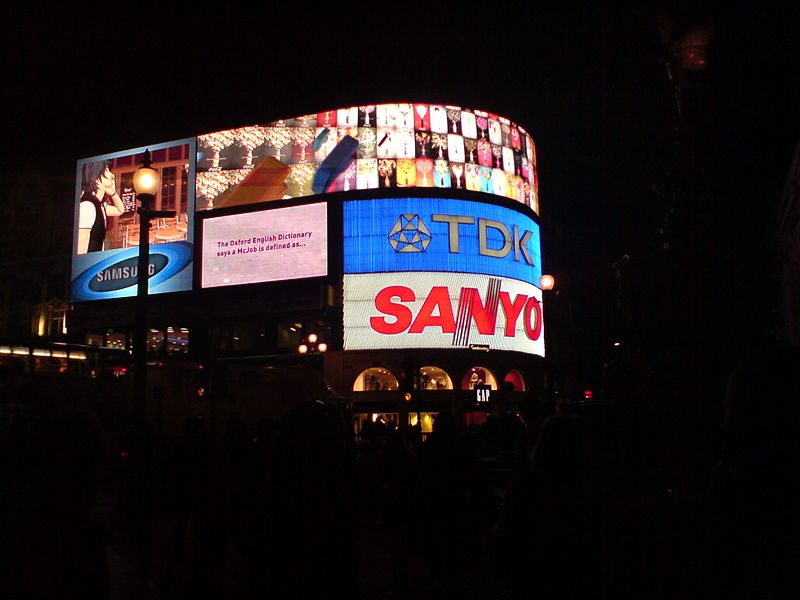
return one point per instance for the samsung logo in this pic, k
(125, 273)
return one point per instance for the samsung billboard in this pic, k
(106, 233)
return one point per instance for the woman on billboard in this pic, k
(99, 200)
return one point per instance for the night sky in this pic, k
(590, 85)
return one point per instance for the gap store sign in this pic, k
(441, 273)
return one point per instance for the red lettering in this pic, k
(533, 318)
(511, 311)
(402, 314)
(485, 319)
(438, 297)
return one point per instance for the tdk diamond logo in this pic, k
(409, 234)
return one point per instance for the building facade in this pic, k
(394, 249)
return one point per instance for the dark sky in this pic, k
(589, 84)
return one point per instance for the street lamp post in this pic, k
(146, 183)
(547, 283)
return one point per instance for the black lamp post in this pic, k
(546, 284)
(146, 183)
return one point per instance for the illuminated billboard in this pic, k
(441, 310)
(106, 233)
(268, 245)
(440, 234)
(368, 147)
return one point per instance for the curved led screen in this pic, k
(440, 234)
(441, 310)
(441, 273)
(368, 147)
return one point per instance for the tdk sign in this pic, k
(440, 234)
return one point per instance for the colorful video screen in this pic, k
(368, 147)
(106, 234)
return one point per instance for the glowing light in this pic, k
(312, 337)
(323, 347)
(547, 282)
(147, 180)
(302, 348)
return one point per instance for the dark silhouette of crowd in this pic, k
(526, 504)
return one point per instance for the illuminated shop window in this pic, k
(514, 379)
(155, 341)
(478, 376)
(368, 423)
(375, 379)
(425, 419)
(177, 340)
(116, 340)
(94, 339)
(434, 378)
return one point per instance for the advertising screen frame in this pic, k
(264, 247)
(333, 245)
(111, 273)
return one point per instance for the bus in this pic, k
(42, 379)
(63, 360)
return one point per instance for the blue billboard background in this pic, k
(399, 234)
(98, 279)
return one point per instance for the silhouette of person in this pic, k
(755, 492)
(546, 536)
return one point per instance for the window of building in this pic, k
(177, 340)
(155, 342)
(94, 339)
(117, 340)
(370, 424)
(169, 188)
(423, 419)
(515, 380)
(434, 378)
(184, 201)
(290, 334)
(478, 376)
(375, 379)
(58, 321)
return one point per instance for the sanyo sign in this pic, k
(442, 310)
(440, 234)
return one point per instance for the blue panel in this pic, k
(112, 274)
(424, 234)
